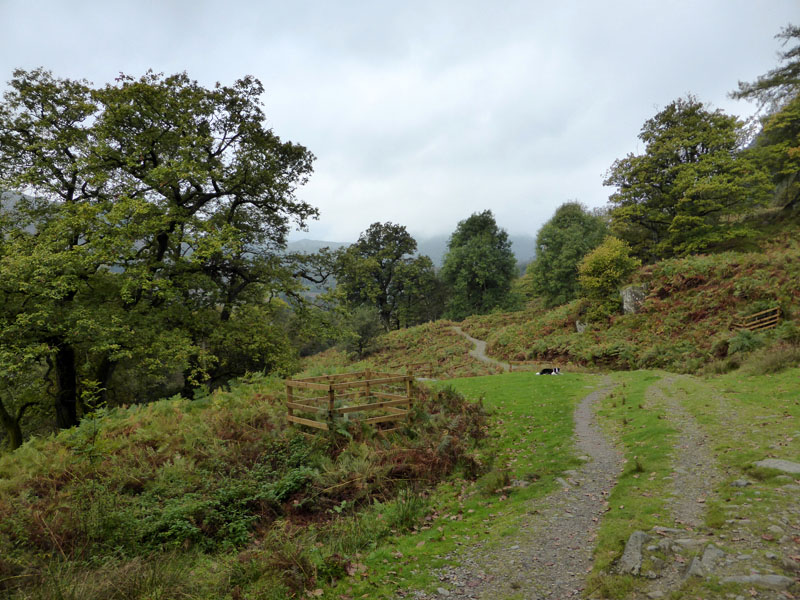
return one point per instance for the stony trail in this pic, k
(551, 554)
(479, 351)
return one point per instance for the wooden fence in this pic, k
(766, 319)
(387, 395)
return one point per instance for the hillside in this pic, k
(685, 323)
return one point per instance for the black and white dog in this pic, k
(553, 371)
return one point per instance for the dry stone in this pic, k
(631, 561)
(632, 298)
(778, 464)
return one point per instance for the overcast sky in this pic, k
(422, 113)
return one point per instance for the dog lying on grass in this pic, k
(553, 371)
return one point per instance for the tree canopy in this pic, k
(380, 271)
(479, 266)
(685, 192)
(780, 85)
(560, 245)
(149, 234)
(777, 146)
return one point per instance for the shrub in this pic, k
(774, 359)
(602, 271)
(744, 341)
(788, 332)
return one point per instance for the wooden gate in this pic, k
(766, 319)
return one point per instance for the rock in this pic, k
(520, 483)
(791, 487)
(632, 298)
(443, 592)
(690, 543)
(562, 482)
(665, 530)
(790, 564)
(775, 529)
(665, 546)
(695, 569)
(778, 464)
(580, 327)
(711, 555)
(654, 595)
(740, 483)
(772, 582)
(631, 560)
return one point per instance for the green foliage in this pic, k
(148, 248)
(603, 271)
(561, 244)
(777, 148)
(479, 266)
(365, 325)
(744, 341)
(688, 191)
(379, 271)
(781, 84)
(205, 479)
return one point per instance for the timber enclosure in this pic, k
(326, 399)
(766, 319)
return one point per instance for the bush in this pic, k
(744, 341)
(774, 359)
(788, 332)
(602, 272)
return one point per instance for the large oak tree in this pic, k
(154, 213)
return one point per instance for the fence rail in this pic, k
(766, 319)
(388, 395)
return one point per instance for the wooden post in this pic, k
(367, 377)
(409, 392)
(331, 399)
(289, 398)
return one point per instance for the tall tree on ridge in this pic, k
(689, 189)
(479, 266)
(561, 244)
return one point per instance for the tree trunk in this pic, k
(67, 379)
(104, 373)
(11, 425)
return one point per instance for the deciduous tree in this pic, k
(380, 271)
(479, 266)
(690, 188)
(560, 245)
(155, 212)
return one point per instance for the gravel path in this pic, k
(695, 474)
(551, 554)
(479, 351)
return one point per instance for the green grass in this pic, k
(530, 439)
(637, 502)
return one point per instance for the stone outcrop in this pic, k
(632, 298)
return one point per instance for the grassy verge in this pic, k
(529, 444)
(645, 438)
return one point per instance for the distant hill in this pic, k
(523, 247)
